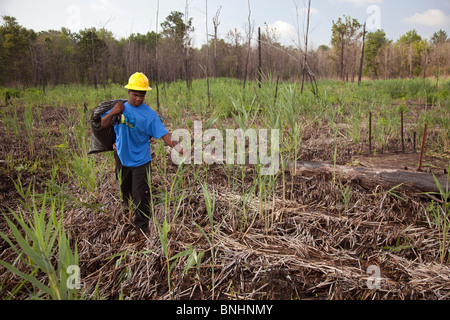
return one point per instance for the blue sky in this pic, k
(395, 17)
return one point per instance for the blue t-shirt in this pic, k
(133, 134)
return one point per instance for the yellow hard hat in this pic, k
(138, 82)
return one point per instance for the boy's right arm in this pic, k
(107, 119)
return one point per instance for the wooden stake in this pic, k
(414, 141)
(403, 142)
(423, 147)
(370, 132)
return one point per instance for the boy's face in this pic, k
(136, 98)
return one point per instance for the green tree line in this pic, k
(94, 56)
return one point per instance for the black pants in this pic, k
(135, 188)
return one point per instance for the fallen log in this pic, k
(368, 178)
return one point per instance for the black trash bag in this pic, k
(102, 139)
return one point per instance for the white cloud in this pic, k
(431, 17)
(283, 29)
(101, 14)
(363, 3)
(103, 5)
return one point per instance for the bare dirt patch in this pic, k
(403, 161)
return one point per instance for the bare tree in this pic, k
(362, 55)
(156, 60)
(216, 24)
(386, 60)
(207, 55)
(187, 48)
(249, 43)
(305, 67)
(259, 58)
(235, 37)
(344, 38)
(306, 47)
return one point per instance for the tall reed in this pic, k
(40, 240)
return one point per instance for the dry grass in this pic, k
(308, 251)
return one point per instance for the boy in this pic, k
(132, 148)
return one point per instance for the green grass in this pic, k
(37, 241)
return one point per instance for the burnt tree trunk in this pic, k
(362, 55)
(419, 182)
